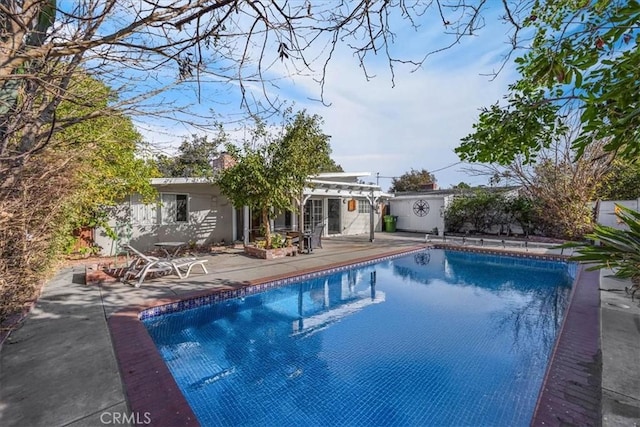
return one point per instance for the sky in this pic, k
(383, 128)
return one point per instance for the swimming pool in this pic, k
(436, 337)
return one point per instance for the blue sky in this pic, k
(374, 126)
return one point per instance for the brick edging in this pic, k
(571, 392)
(150, 389)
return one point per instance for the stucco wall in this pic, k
(407, 220)
(354, 222)
(210, 220)
(606, 213)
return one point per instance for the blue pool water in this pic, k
(442, 338)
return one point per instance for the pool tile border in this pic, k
(148, 383)
(251, 289)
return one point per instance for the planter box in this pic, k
(270, 253)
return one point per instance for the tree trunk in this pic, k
(267, 227)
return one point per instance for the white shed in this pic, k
(420, 212)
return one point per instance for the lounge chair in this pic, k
(314, 239)
(145, 264)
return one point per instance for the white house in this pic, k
(194, 210)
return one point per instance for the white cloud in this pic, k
(416, 124)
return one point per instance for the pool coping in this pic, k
(151, 390)
(571, 392)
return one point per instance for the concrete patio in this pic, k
(59, 367)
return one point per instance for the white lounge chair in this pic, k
(145, 264)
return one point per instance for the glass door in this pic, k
(312, 214)
(333, 218)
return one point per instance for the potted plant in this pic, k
(617, 249)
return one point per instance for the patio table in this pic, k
(175, 247)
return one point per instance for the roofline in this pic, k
(344, 184)
(340, 175)
(178, 181)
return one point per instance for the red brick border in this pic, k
(571, 393)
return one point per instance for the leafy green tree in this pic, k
(82, 169)
(195, 156)
(456, 214)
(622, 182)
(480, 208)
(329, 165)
(414, 180)
(584, 56)
(461, 186)
(559, 186)
(522, 211)
(271, 170)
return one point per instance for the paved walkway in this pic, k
(59, 368)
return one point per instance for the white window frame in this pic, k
(141, 213)
(168, 208)
(314, 213)
(364, 206)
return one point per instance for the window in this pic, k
(175, 208)
(143, 214)
(364, 206)
(313, 213)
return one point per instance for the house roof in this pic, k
(326, 184)
(179, 181)
(344, 184)
(452, 191)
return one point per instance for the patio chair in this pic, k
(314, 239)
(146, 264)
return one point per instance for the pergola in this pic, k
(322, 185)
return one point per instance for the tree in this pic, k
(480, 208)
(622, 182)
(461, 186)
(82, 168)
(584, 57)
(414, 180)
(559, 184)
(195, 156)
(329, 165)
(271, 170)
